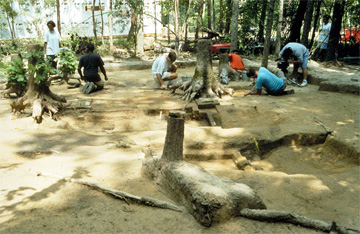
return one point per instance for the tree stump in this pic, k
(207, 197)
(204, 83)
(224, 63)
(38, 95)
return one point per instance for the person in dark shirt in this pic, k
(91, 62)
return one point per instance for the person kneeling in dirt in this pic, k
(299, 55)
(236, 64)
(91, 61)
(265, 79)
(164, 70)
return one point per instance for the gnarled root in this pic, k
(19, 91)
(287, 217)
(47, 102)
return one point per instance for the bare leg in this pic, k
(305, 73)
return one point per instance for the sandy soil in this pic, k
(106, 144)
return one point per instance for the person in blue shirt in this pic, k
(272, 84)
(296, 54)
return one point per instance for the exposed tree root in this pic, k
(288, 217)
(149, 201)
(42, 100)
(18, 90)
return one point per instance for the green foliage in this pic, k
(67, 61)
(42, 68)
(16, 73)
(124, 43)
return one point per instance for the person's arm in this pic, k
(102, 69)
(80, 73)
(163, 86)
(257, 92)
(45, 45)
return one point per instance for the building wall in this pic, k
(32, 19)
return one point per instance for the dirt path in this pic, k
(105, 145)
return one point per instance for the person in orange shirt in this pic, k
(236, 64)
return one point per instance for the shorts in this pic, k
(305, 59)
(323, 46)
(164, 76)
(51, 58)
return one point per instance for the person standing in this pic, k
(163, 69)
(324, 36)
(296, 54)
(265, 79)
(52, 43)
(91, 62)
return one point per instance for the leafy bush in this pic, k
(42, 68)
(67, 61)
(16, 74)
(124, 43)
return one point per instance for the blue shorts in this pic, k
(323, 46)
(305, 59)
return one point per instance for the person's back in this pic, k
(91, 63)
(160, 65)
(236, 62)
(268, 80)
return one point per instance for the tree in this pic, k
(316, 20)
(307, 22)
(262, 21)
(279, 27)
(338, 13)
(185, 25)
(208, 6)
(269, 23)
(58, 16)
(7, 8)
(204, 83)
(38, 95)
(234, 25)
(228, 16)
(111, 41)
(177, 16)
(221, 12)
(93, 18)
(297, 22)
(200, 11)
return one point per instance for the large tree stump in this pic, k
(207, 197)
(38, 96)
(204, 83)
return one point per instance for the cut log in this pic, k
(207, 197)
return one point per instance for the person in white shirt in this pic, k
(52, 42)
(324, 36)
(164, 70)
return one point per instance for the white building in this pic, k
(32, 18)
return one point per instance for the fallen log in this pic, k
(149, 201)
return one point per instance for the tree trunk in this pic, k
(204, 82)
(316, 20)
(140, 34)
(269, 24)
(173, 148)
(297, 22)
(58, 16)
(208, 6)
(279, 27)
(133, 26)
(262, 21)
(213, 14)
(228, 17)
(185, 25)
(221, 25)
(336, 20)
(234, 25)
(111, 39)
(307, 22)
(177, 16)
(93, 18)
(102, 24)
(155, 23)
(39, 95)
(201, 5)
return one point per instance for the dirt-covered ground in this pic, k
(105, 140)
